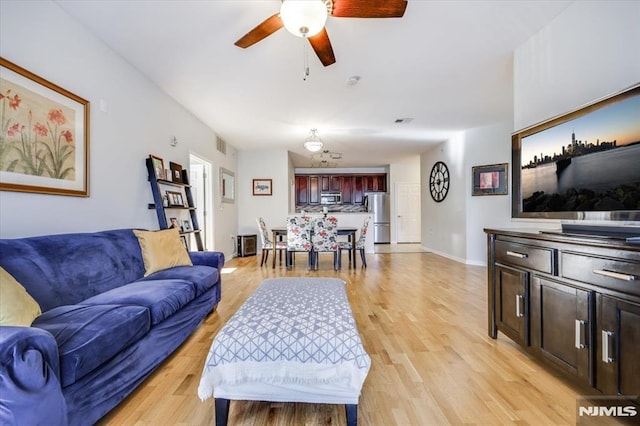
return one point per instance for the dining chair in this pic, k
(299, 238)
(325, 239)
(267, 244)
(360, 244)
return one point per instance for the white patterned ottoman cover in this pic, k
(293, 340)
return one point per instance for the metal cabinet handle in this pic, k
(580, 343)
(606, 346)
(516, 254)
(519, 303)
(616, 275)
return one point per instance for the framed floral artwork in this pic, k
(44, 138)
(490, 180)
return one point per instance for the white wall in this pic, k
(589, 51)
(140, 120)
(444, 223)
(486, 145)
(262, 164)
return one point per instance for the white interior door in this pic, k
(201, 189)
(408, 212)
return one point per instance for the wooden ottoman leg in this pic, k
(352, 414)
(222, 411)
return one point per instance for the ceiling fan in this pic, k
(306, 18)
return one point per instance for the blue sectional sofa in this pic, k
(104, 326)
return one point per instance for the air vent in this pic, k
(403, 120)
(221, 145)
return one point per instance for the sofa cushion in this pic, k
(202, 277)
(17, 307)
(162, 250)
(162, 297)
(88, 336)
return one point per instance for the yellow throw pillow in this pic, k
(17, 307)
(162, 250)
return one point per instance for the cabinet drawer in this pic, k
(529, 257)
(611, 273)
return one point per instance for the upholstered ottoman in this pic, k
(293, 340)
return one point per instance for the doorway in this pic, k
(200, 179)
(408, 213)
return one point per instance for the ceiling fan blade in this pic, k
(369, 8)
(266, 28)
(322, 46)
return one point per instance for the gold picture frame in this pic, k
(44, 138)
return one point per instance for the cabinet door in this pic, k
(367, 182)
(302, 190)
(314, 190)
(347, 184)
(358, 190)
(336, 183)
(511, 303)
(561, 327)
(380, 183)
(324, 184)
(618, 335)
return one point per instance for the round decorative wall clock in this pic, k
(439, 181)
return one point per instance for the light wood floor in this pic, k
(423, 322)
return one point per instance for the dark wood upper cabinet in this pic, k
(302, 189)
(352, 187)
(314, 190)
(324, 184)
(358, 190)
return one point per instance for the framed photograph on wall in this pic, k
(490, 180)
(262, 187)
(45, 135)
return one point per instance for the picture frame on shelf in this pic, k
(492, 179)
(39, 112)
(186, 226)
(262, 187)
(175, 199)
(176, 172)
(158, 167)
(173, 223)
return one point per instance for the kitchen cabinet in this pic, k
(352, 187)
(572, 302)
(302, 190)
(314, 190)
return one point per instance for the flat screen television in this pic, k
(581, 165)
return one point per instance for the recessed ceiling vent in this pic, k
(221, 145)
(403, 120)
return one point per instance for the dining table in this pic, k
(281, 231)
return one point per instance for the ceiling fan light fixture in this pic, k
(313, 142)
(304, 18)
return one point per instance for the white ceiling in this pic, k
(446, 64)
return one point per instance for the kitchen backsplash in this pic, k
(332, 208)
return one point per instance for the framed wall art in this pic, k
(44, 142)
(262, 187)
(490, 180)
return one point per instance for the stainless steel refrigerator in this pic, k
(378, 205)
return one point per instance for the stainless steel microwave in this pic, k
(330, 198)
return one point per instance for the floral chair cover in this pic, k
(299, 237)
(325, 239)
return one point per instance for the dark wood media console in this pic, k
(570, 300)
